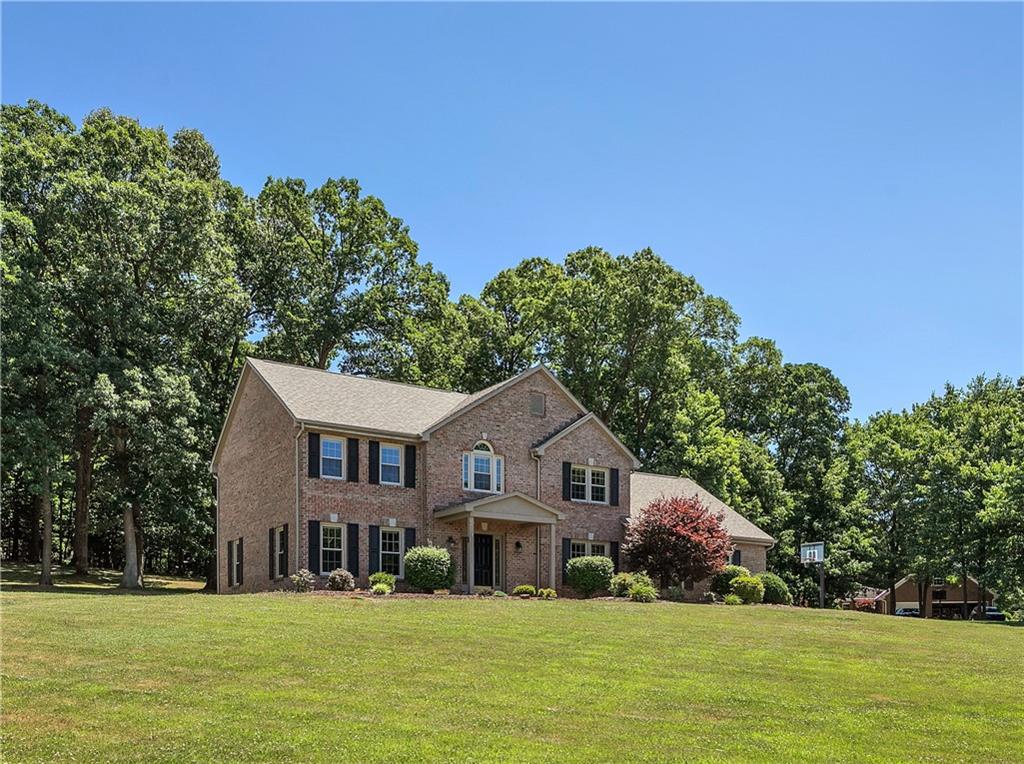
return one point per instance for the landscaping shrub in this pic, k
(303, 580)
(640, 592)
(383, 578)
(674, 594)
(547, 594)
(620, 583)
(720, 583)
(499, 593)
(381, 589)
(748, 588)
(709, 598)
(733, 599)
(676, 539)
(340, 580)
(429, 568)
(529, 591)
(775, 590)
(591, 574)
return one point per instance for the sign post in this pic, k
(813, 553)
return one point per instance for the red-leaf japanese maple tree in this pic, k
(676, 539)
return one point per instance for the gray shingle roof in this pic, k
(344, 400)
(645, 487)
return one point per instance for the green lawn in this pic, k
(197, 677)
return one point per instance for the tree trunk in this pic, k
(892, 593)
(131, 578)
(84, 443)
(46, 508)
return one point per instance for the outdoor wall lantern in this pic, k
(451, 541)
(519, 546)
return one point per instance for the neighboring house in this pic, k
(750, 543)
(941, 599)
(321, 470)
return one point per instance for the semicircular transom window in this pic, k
(482, 469)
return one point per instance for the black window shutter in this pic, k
(566, 551)
(270, 554)
(353, 461)
(374, 564)
(352, 553)
(410, 466)
(284, 540)
(241, 562)
(566, 480)
(614, 548)
(374, 476)
(314, 454)
(410, 538)
(614, 497)
(313, 563)
(231, 566)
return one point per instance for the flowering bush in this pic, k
(340, 580)
(303, 580)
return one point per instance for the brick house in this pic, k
(321, 470)
(942, 599)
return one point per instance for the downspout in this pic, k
(536, 493)
(298, 530)
(216, 530)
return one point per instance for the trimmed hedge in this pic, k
(589, 575)
(720, 583)
(429, 568)
(748, 588)
(775, 590)
(527, 589)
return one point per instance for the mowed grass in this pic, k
(284, 677)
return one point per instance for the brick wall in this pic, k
(255, 483)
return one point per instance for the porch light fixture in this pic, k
(450, 541)
(519, 546)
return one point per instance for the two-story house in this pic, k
(321, 470)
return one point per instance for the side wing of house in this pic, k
(255, 470)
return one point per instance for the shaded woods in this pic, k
(136, 280)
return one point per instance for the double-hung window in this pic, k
(235, 562)
(589, 484)
(280, 551)
(332, 547)
(391, 551)
(390, 464)
(588, 549)
(332, 452)
(482, 470)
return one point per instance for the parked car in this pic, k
(908, 612)
(993, 614)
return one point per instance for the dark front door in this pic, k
(483, 559)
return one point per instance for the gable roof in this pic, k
(471, 401)
(645, 487)
(589, 417)
(319, 397)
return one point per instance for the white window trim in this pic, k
(341, 442)
(590, 471)
(344, 547)
(401, 465)
(401, 549)
(278, 539)
(232, 556)
(468, 484)
(235, 564)
(589, 547)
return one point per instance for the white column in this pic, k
(551, 555)
(470, 530)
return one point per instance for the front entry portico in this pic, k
(482, 559)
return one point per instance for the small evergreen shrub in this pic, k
(429, 568)
(674, 594)
(529, 591)
(748, 589)
(340, 580)
(547, 594)
(589, 575)
(775, 590)
(733, 599)
(381, 577)
(381, 589)
(720, 581)
(640, 592)
(621, 582)
(303, 580)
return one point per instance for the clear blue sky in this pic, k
(847, 176)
